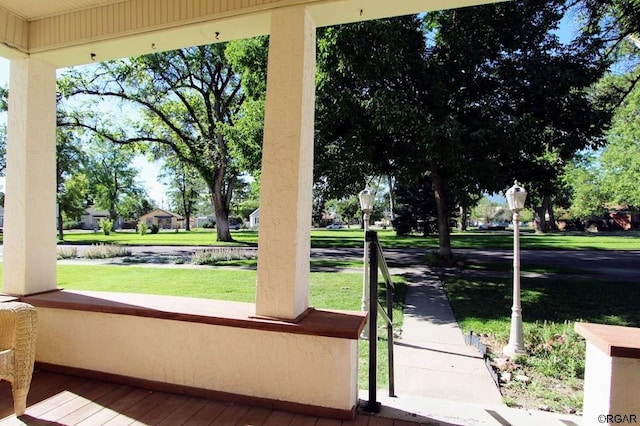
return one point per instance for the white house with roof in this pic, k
(91, 217)
(254, 219)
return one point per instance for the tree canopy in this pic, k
(462, 100)
(451, 104)
(620, 159)
(188, 101)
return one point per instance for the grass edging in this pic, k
(551, 377)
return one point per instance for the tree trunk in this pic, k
(113, 213)
(391, 200)
(222, 221)
(186, 206)
(187, 225)
(221, 198)
(60, 231)
(552, 217)
(540, 221)
(463, 218)
(444, 237)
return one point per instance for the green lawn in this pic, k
(550, 307)
(329, 290)
(543, 299)
(353, 238)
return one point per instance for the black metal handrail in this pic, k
(377, 263)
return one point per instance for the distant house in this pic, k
(254, 219)
(91, 218)
(624, 218)
(163, 218)
(205, 221)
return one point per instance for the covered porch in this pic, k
(59, 399)
(279, 351)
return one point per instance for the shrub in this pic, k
(209, 225)
(134, 259)
(106, 225)
(435, 259)
(106, 251)
(403, 225)
(155, 228)
(67, 253)
(556, 350)
(214, 256)
(71, 224)
(142, 228)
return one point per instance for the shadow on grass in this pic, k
(335, 264)
(554, 300)
(508, 267)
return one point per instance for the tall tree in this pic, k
(71, 182)
(247, 199)
(3, 149)
(133, 205)
(620, 159)
(366, 72)
(4, 95)
(618, 23)
(185, 187)
(3, 131)
(582, 179)
(189, 101)
(346, 209)
(111, 175)
(415, 208)
(521, 96)
(461, 102)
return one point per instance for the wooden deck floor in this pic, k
(56, 399)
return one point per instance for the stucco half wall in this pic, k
(204, 345)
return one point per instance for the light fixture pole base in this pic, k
(512, 351)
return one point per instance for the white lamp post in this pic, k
(516, 196)
(366, 197)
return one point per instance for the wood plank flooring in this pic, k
(56, 399)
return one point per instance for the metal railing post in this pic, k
(389, 291)
(373, 405)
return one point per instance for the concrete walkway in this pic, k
(432, 358)
(439, 379)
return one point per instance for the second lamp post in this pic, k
(366, 197)
(516, 196)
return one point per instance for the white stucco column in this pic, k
(612, 374)
(287, 167)
(29, 250)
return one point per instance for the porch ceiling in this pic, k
(37, 9)
(73, 32)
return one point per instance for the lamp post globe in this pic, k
(516, 196)
(366, 197)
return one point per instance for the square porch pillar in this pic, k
(612, 374)
(287, 167)
(29, 250)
